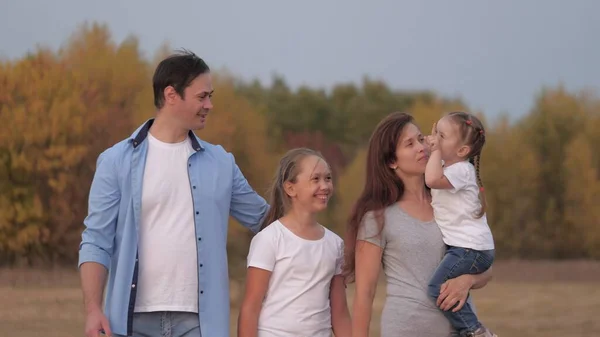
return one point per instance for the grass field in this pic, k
(525, 299)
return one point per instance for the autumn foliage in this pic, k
(60, 109)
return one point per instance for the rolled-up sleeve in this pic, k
(97, 239)
(247, 206)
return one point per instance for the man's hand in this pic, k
(95, 323)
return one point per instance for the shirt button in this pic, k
(189, 165)
(202, 291)
(197, 212)
(199, 239)
(201, 265)
(133, 285)
(194, 187)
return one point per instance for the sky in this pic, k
(495, 55)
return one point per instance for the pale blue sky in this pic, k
(496, 55)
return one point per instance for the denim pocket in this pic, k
(483, 261)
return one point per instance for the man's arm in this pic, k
(97, 242)
(247, 206)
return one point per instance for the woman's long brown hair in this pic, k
(382, 186)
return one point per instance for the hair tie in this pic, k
(481, 132)
(481, 189)
(469, 122)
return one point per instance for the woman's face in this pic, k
(411, 152)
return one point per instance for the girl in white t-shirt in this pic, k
(294, 284)
(458, 203)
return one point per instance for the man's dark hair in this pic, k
(178, 71)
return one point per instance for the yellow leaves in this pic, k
(348, 188)
(581, 195)
(427, 112)
(60, 110)
(21, 224)
(240, 128)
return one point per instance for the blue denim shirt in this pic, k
(110, 237)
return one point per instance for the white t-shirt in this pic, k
(168, 270)
(455, 210)
(297, 300)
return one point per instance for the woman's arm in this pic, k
(340, 316)
(481, 280)
(457, 289)
(257, 283)
(368, 266)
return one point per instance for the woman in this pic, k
(392, 222)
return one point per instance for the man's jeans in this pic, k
(165, 324)
(459, 261)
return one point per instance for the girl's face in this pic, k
(449, 140)
(411, 152)
(313, 186)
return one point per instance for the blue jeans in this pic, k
(459, 261)
(165, 324)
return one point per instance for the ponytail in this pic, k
(277, 209)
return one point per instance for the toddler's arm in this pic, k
(434, 173)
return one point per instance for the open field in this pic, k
(525, 299)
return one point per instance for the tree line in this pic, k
(60, 109)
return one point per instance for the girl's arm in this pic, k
(340, 316)
(368, 266)
(457, 289)
(257, 283)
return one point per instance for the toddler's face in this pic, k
(449, 140)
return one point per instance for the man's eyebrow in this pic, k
(206, 93)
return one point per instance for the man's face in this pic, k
(192, 109)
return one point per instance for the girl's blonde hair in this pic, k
(288, 170)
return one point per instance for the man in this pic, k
(158, 213)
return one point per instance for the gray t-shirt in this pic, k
(412, 250)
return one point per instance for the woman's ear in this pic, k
(393, 165)
(289, 189)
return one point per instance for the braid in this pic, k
(477, 160)
(472, 132)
